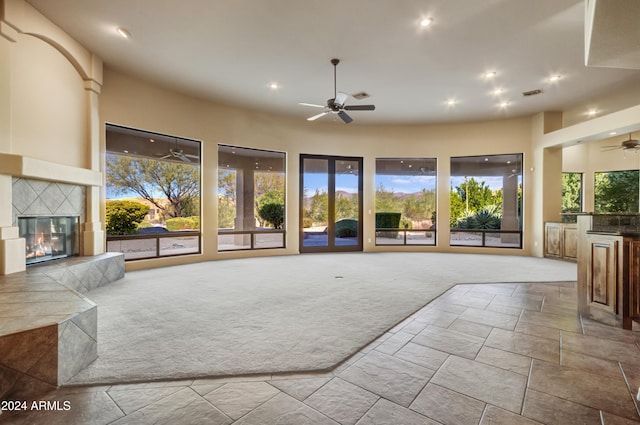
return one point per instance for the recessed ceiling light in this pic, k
(452, 102)
(425, 22)
(152, 140)
(490, 74)
(613, 133)
(124, 33)
(554, 78)
(274, 85)
(498, 92)
(503, 104)
(592, 112)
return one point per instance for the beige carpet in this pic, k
(277, 314)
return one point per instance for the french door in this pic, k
(330, 203)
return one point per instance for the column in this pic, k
(12, 247)
(245, 199)
(510, 219)
(93, 237)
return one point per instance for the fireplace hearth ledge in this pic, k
(48, 328)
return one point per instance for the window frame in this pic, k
(402, 235)
(138, 143)
(484, 237)
(252, 238)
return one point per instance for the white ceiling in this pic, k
(230, 51)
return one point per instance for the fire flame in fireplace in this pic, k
(39, 248)
(48, 238)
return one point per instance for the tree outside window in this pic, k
(251, 198)
(486, 200)
(152, 188)
(571, 196)
(616, 191)
(405, 199)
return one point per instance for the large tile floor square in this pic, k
(499, 354)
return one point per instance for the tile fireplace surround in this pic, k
(48, 328)
(41, 198)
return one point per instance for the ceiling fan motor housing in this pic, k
(337, 103)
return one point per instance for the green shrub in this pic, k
(489, 217)
(346, 228)
(272, 213)
(388, 220)
(307, 222)
(183, 223)
(465, 221)
(405, 223)
(144, 225)
(122, 217)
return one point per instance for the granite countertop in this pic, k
(635, 235)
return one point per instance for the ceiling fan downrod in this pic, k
(335, 63)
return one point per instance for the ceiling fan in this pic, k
(336, 105)
(631, 145)
(178, 154)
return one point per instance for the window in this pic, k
(153, 194)
(616, 191)
(571, 196)
(405, 201)
(251, 198)
(486, 201)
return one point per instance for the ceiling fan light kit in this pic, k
(337, 104)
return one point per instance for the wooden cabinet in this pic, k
(611, 291)
(608, 269)
(561, 241)
(603, 274)
(634, 280)
(570, 242)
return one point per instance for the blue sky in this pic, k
(348, 183)
(398, 184)
(406, 184)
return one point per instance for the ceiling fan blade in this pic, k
(340, 99)
(611, 148)
(320, 115)
(313, 105)
(360, 107)
(166, 156)
(346, 118)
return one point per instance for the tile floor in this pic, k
(479, 354)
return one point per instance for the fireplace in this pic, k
(49, 238)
